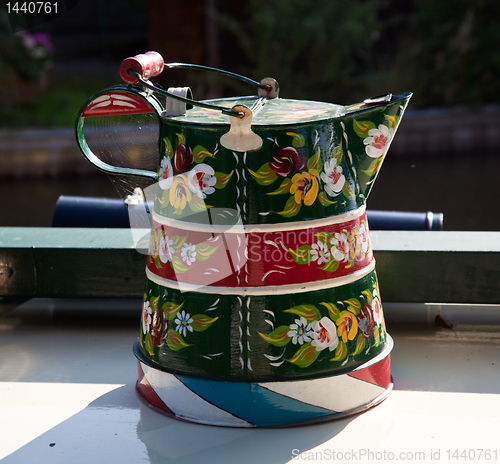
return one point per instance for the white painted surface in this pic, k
(348, 392)
(73, 385)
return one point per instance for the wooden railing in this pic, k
(432, 267)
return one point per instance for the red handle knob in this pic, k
(147, 65)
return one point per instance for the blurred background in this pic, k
(445, 157)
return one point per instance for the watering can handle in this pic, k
(138, 69)
(119, 99)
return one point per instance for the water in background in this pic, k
(463, 187)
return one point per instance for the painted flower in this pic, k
(319, 252)
(183, 321)
(355, 250)
(378, 141)
(159, 328)
(376, 309)
(304, 188)
(286, 162)
(333, 178)
(324, 334)
(179, 194)
(201, 180)
(340, 248)
(166, 250)
(183, 159)
(146, 317)
(188, 253)
(165, 174)
(300, 332)
(154, 245)
(365, 320)
(363, 237)
(347, 326)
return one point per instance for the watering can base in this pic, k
(266, 404)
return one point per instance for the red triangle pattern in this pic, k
(377, 374)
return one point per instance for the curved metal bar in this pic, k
(97, 162)
(218, 71)
(209, 106)
(92, 157)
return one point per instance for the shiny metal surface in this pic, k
(67, 394)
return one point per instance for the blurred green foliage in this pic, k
(445, 51)
(55, 108)
(318, 49)
(449, 52)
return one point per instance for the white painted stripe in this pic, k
(339, 393)
(185, 403)
(256, 228)
(264, 290)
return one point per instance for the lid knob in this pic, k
(269, 88)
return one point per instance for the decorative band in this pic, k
(223, 220)
(212, 402)
(280, 336)
(260, 259)
(263, 290)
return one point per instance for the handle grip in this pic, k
(115, 101)
(138, 70)
(147, 65)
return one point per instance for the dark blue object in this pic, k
(73, 211)
(403, 220)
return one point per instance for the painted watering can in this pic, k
(261, 306)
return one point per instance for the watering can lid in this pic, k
(280, 111)
(266, 112)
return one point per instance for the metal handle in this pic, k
(140, 68)
(96, 104)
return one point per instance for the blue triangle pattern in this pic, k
(254, 403)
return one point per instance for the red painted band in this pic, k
(116, 103)
(255, 259)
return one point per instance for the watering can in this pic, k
(261, 305)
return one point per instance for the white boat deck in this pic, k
(67, 395)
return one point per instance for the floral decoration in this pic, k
(300, 331)
(146, 317)
(332, 249)
(287, 162)
(376, 139)
(325, 335)
(176, 252)
(349, 328)
(307, 180)
(188, 253)
(184, 179)
(332, 177)
(183, 321)
(170, 325)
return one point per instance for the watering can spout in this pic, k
(368, 129)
